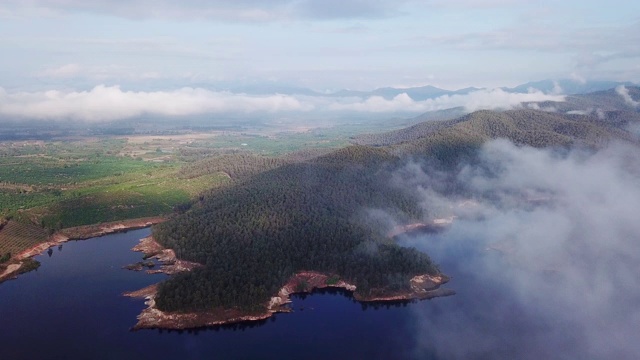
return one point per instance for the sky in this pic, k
(324, 45)
(135, 54)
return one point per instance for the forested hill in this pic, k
(411, 133)
(601, 107)
(605, 100)
(315, 214)
(523, 127)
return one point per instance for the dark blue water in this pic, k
(72, 308)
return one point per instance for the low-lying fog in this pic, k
(545, 258)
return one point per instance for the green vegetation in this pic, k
(254, 235)
(524, 127)
(46, 186)
(140, 265)
(235, 166)
(255, 208)
(126, 197)
(28, 264)
(18, 235)
(273, 144)
(332, 280)
(411, 133)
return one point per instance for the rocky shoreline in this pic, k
(170, 264)
(421, 287)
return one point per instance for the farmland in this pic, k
(16, 236)
(49, 185)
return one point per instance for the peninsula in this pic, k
(421, 287)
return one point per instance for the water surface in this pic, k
(72, 308)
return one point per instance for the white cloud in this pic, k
(400, 102)
(579, 112)
(578, 78)
(105, 103)
(536, 106)
(563, 283)
(477, 100)
(624, 92)
(598, 112)
(63, 71)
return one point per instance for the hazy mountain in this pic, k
(416, 93)
(606, 106)
(421, 93)
(567, 86)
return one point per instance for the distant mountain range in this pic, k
(567, 86)
(421, 93)
(416, 93)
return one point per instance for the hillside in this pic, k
(296, 217)
(607, 107)
(427, 123)
(523, 127)
(312, 215)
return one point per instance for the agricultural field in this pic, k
(16, 236)
(66, 182)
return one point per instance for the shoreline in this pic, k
(422, 287)
(170, 264)
(77, 233)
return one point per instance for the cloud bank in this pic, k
(477, 100)
(545, 260)
(108, 103)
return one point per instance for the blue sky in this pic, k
(117, 53)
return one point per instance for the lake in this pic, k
(72, 308)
